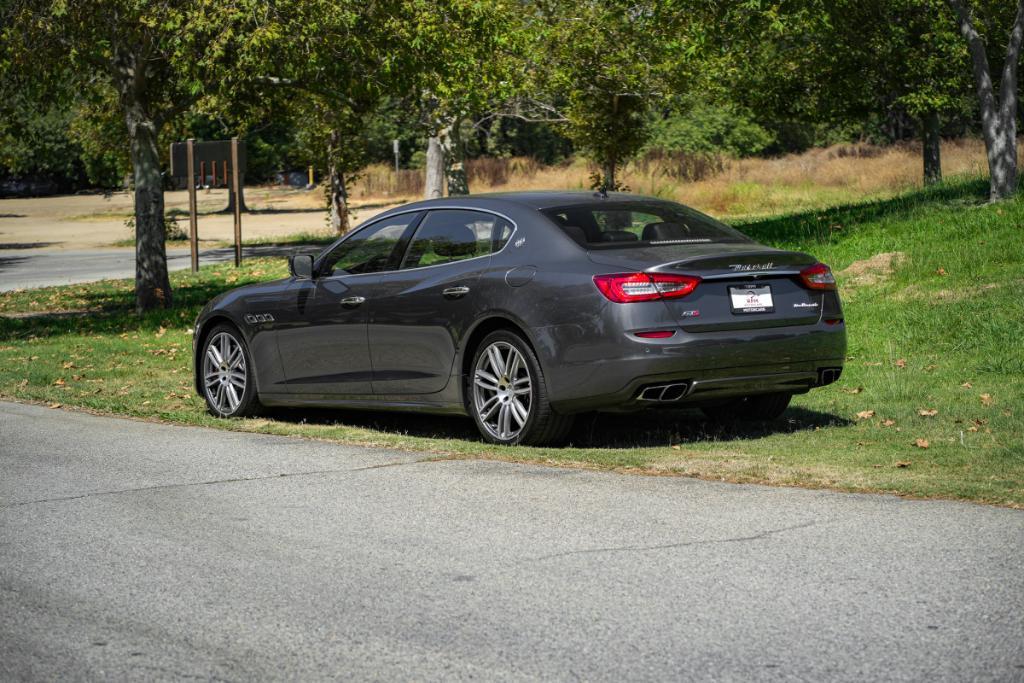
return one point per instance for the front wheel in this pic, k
(509, 396)
(759, 407)
(229, 382)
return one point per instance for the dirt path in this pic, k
(95, 221)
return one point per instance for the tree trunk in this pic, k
(998, 115)
(932, 147)
(152, 285)
(434, 185)
(609, 176)
(337, 194)
(455, 171)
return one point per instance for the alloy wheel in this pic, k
(502, 390)
(224, 373)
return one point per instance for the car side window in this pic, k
(370, 250)
(449, 235)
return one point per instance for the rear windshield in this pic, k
(607, 225)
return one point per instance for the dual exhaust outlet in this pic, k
(665, 393)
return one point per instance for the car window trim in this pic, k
(432, 209)
(402, 243)
(515, 229)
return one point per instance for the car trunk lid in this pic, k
(742, 286)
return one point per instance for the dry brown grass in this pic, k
(742, 187)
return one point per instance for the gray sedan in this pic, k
(524, 309)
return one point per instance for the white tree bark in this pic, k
(998, 113)
(434, 185)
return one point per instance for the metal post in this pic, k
(311, 176)
(238, 203)
(193, 230)
(202, 174)
(394, 145)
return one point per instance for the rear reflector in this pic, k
(818, 276)
(625, 288)
(656, 334)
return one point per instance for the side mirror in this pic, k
(301, 266)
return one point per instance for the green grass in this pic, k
(942, 332)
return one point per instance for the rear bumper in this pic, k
(711, 366)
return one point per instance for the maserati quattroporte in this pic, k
(524, 309)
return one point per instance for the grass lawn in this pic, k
(931, 402)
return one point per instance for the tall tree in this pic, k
(600, 67)
(476, 64)
(894, 64)
(979, 24)
(160, 58)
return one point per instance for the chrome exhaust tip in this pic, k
(664, 393)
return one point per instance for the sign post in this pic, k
(398, 154)
(193, 234)
(238, 204)
(190, 157)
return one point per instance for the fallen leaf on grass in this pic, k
(967, 385)
(986, 399)
(59, 382)
(927, 412)
(870, 364)
(888, 423)
(22, 384)
(161, 332)
(921, 443)
(901, 362)
(865, 414)
(940, 271)
(55, 405)
(901, 463)
(855, 390)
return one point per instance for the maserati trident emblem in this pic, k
(743, 267)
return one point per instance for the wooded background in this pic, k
(92, 92)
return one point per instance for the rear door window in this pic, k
(450, 235)
(607, 225)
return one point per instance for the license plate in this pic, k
(751, 299)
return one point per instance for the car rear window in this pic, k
(607, 225)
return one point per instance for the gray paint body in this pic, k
(407, 345)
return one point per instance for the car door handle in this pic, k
(455, 292)
(352, 301)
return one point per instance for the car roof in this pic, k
(534, 199)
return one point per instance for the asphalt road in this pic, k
(145, 551)
(26, 268)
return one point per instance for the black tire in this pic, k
(758, 407)
(217, 391)
(543, 426)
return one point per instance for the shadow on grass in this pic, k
(830, 225)
(109, 308)
(644, 429)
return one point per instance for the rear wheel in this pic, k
(228, 380)
(759, 407)
(508, 394)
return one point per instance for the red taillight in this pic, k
(656, 334)
(818, 276)
(625, 288)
